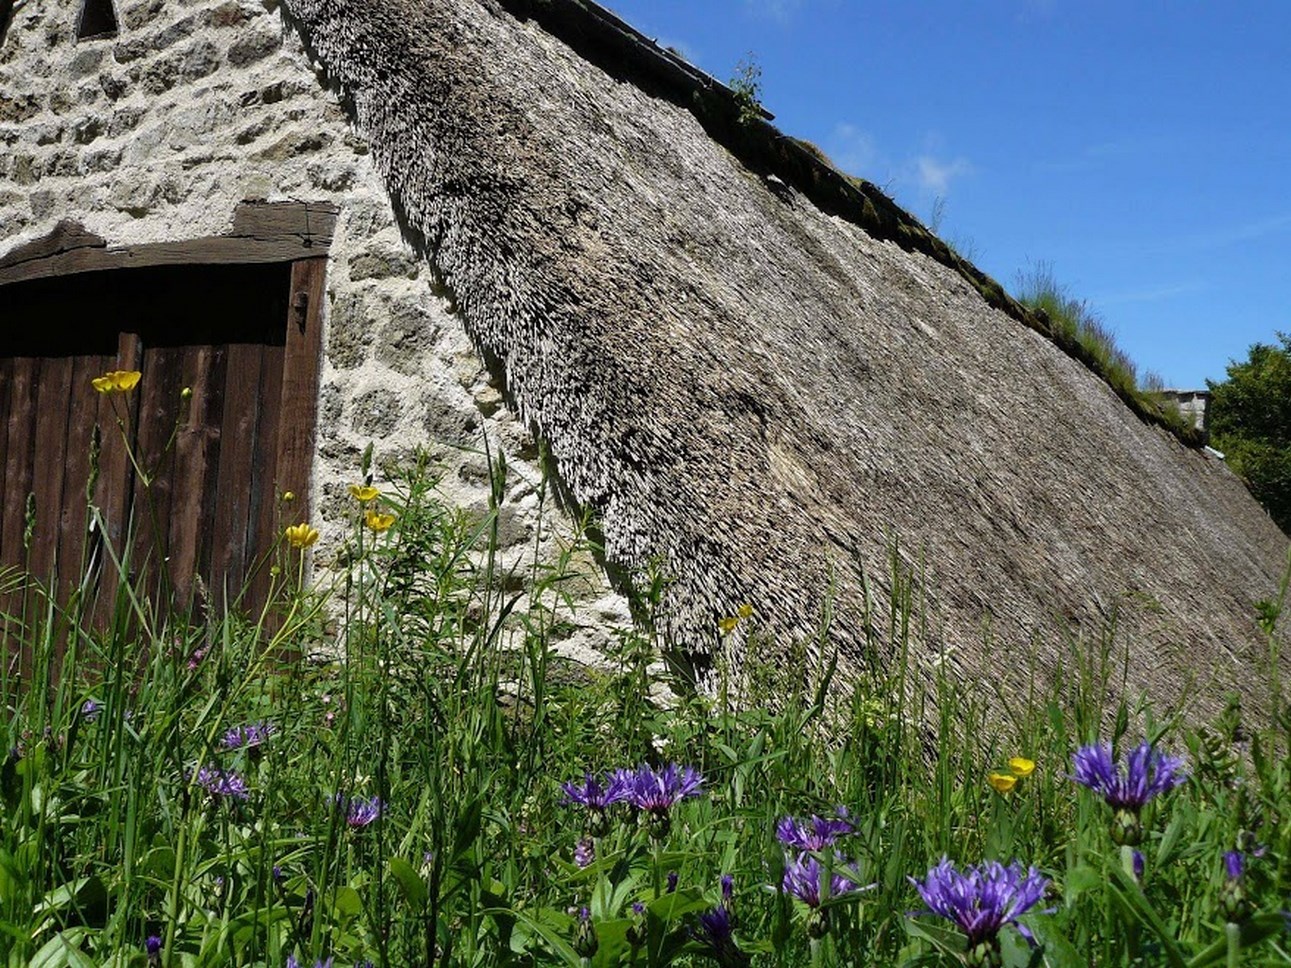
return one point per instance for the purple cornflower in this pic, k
(672, 880)
(1148, 772)
(805, 878)
(247, 737)
(655, 792)
(152, 945)
(592, 794)
(716, 933)
(1233, 901)
(981, 901)
(90, 710)
(585, 852)
(814, 833)
(597, 797)
(319, 963)
(1234, 865)
(222, 783)
(359, 811)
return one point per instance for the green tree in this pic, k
(1250, 421)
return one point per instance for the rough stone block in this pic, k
(349, 332)
(123, 120)
(175, 33)
(22, 170)
(296, 143)
(61, 100)
(113, 85)
(139, 15)
(200, 60)
(101, 160)
(228, 14)
(447, 422)
(332, 175)
(375, 412)
(331, 404)
(86, 62)
(381, 264)
(86, 130)
(256, 47)
(405, 336)
(42, 203)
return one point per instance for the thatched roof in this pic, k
(764, 381)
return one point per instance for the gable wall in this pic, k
(197, 105)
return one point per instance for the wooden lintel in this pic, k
(262, 232)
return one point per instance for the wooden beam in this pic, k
(261, 232)
(300, 386)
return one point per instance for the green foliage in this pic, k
(439, 695)
(1081, 332)
(1250, 421)
(746, 85)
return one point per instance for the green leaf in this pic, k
(411, 883)
(1082, 879)
(1057, 951)
(1131, 897)
(1253, 932)
(946, 940)
(552, 934)
(63, 950)
(347, 902)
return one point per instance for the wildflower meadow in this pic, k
(395, 767)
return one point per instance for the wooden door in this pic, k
(179, 478)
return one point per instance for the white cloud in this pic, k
(934, 176)
(852, 150)
(780, 10)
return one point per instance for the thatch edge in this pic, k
(619, 49)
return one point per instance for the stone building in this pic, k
(399, 224)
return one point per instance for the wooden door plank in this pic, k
(158, 402)
(262, 522)
(82, 415)
(21, 441)
(237, 457)
(115, 416)
(48, 457)
(6, 396)
(195, 442)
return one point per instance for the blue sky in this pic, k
(1142, 149)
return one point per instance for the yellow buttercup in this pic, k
(378, 521)
(301, 535)
(116, 381)
(1002, 782)
(1020, 766)
(363, 493)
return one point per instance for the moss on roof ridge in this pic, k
(621, 50)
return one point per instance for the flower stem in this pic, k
(1234, 934)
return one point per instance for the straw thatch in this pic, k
(741, 381)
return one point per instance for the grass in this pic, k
(402, 802)
(1082, 333)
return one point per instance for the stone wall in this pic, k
(1193, 404)
(158, 133)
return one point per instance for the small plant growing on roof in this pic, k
(746, 85)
